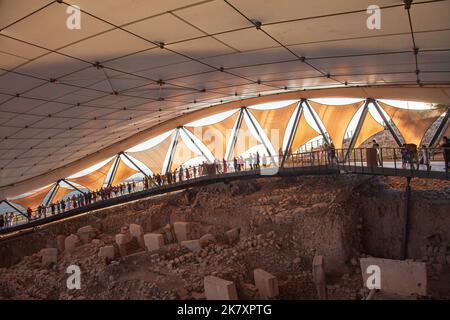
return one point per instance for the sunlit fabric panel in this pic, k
(336, 119)
(303, 134)
(274, 122)
(33, 200)
(95, 179)
(123, 171)
(182, 154)
(369, 128)
(412, 124)
(244, 140)
(217, 135)
(61, 192)
(154, 157)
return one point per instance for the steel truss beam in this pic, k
(133, 163)
(441, 129)
(306, 103)
(72, 185)
(52, 193)
(237, 127)
(358, 129)
(172, 150)
(114, 170)
(386, 121)
(14, 207)
(298, 113)
(195, 143)
(257, 131)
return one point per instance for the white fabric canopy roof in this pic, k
(71, 98)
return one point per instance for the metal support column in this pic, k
(71, 184)
(358, 129)
(14, 207)
(236, 132)
(298, 113)
(405, 239)
(316, 121)
(386, 121)
(114, 170)
(440, 130)
(257, 131)
(195, 143)
(52, 193)
(133, 163)
(172, 150)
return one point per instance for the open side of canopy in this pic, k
(95, 179)
(244, 140)
(123, 171)
(274, 122)
(216, 136)
(438, 94)
(61, 192)
(182, 154)
(35, 199)
(370, 127)
(155, 156)
(412, 124)
(336, 119)
(303, 134)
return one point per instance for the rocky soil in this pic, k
(283, 224)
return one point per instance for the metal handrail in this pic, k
(384, 161)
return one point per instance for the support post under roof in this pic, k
(14, 207)
(386, 121)
(114, 170)
(195, 143)
(298, 114)
(357, 130)
(72, 185)
(52, 193)
(316, 121)
(441, 129)
(133, 163)
(172, 150)
(237, 127)
(257, 131)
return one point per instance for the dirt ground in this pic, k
(283, 223)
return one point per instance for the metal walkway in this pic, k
(293, 168)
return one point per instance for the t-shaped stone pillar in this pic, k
(70, 243)
(219, 289)
(123, 240)
(49, 256)
(153, 241)
(137, 232)
(318, 271)
(266, 283)
(182, 231)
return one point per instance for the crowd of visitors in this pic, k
(325, 154)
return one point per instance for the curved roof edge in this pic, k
(435, 94)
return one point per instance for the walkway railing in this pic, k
(427, 163)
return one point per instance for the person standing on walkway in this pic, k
(376, 146)
(425, 157)
(29, 212)
(413, 155)
(332, 151)
(258, 163)
(445, 146)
